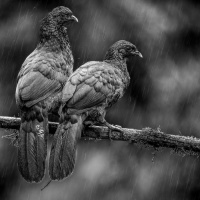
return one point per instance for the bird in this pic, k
(89, 92)
(39, 84)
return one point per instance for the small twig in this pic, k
(46, 185)
(149, 137)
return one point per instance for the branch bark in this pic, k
(147, 136)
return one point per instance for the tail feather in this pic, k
(63, 151)
(32, 150)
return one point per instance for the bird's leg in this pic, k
(87, 120)
(111, 127)
(90, 118)
(97, 117)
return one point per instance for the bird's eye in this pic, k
(128, 48)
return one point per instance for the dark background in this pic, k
(164, 91)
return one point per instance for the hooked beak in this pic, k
(74, 18)
(138, 54)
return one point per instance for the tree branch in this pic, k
(149, 137)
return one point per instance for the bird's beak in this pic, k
(74, 18)
(138, 54)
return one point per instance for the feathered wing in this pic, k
(32, 90)
(63, 150)
(93, 84)
(36, 86)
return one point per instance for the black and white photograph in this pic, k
(99, 100)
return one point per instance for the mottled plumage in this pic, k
(40, 81)
(90, 90)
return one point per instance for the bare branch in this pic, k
(147, 136)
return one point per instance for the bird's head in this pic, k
(59, 17)
(122, 49)
(62, 16)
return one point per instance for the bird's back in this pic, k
(50, 68)
(93, 84)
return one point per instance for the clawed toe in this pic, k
(118, 126)
(114, 128)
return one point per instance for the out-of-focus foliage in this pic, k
(164, 91)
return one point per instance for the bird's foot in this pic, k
(118, 126)
(113, 128)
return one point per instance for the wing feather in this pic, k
(92, 84)
(34, 87)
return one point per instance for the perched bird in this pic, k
(40, 80)
(89, 91)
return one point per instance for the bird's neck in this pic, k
(54, 37)
(121, 65)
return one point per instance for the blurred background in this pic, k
(164, 91)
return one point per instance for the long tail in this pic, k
(32, 150)
(63, 151)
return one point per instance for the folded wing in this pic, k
(91, 85)
(36, 85)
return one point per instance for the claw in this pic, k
(101, 120)
(118, 126)
(114, 128)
